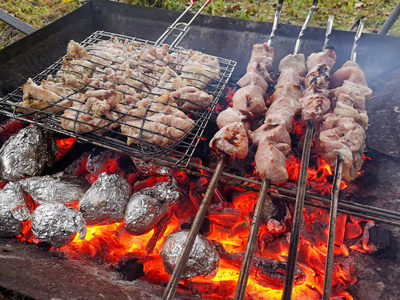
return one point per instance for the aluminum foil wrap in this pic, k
(26, 154)
(57, 224)
(203, 258)
(60, 188)
(104, 202)
(13, 210)
(148, 206)
(145, 168)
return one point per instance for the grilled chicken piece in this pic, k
(289, 76)
(351, 72)
(288, 90)
(253, 78)
(74, 50)
(190, 97)
(231, 115)
(296, 62)
(231, 140)
(157, 122)
(169, 81)
(249, 98)
(327, 57)
(57, 88)
(270, 133)
(357, 92)
(317, 79)
(271, 163)
(260, 62)
(283, 111)
(345, 136)
(36, 97)
(345, 108)
(314, 106)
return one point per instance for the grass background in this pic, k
(39, 13)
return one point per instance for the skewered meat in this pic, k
(253, 78)
(317, 79)
(270, 133)
(104, 202)
(327, 57)
(27, 154)
(191, 98)
(357, 92)
(271, 163)
(231, 115)
(158, 122)
(289, 77)
(249, 98)
(283, 111)
(350, 71)
(148, 206)
(203, 257)
(314, 106)
(231, 140)
(296, 62)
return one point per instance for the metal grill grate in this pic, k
(132, 74)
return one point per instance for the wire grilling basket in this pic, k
(126, 94)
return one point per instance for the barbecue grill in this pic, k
(232, 39)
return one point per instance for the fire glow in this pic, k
(229, 226)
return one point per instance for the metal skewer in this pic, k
(332, 228)
(183, 258)
(305, 26)
(276, 20)
(328, 32)
(335, 198)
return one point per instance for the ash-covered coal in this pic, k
(27, 154)
(203, 257)
(148, 206)
(13, 210)
(104, 202)
(130, 268)
(57, 224)
(58, 188)
(149, 169)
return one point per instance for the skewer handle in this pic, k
(251, 242)
(298, 215)
(184, 256)
(305, 26)
(328, 32)
(356, 38)
(332, 228)
(276, 20)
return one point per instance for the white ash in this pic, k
(57, 224)
(104, 202)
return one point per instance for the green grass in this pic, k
(39, 13)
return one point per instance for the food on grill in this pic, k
(148, 206)
(261, 60)
(231, 140)
(13, 210)
(249, 98)
(58, 188)
(104, 202)
(271, 133)
(327, 57)
(342, 132)
(27, 154)
(296, 62)
(156, 121)
(231, 115)
(98, 85)
(57, 224)
(284, 108)
(203, 257)
(270, 162)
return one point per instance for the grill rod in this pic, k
(241, 286)
(184, 256)
(330, 251)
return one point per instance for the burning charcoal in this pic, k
(13, 210)
(57, 224)
(148, 206)
(59, 188)
(203, 257)
(26, 154)
(148, 168)
(104, 202)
